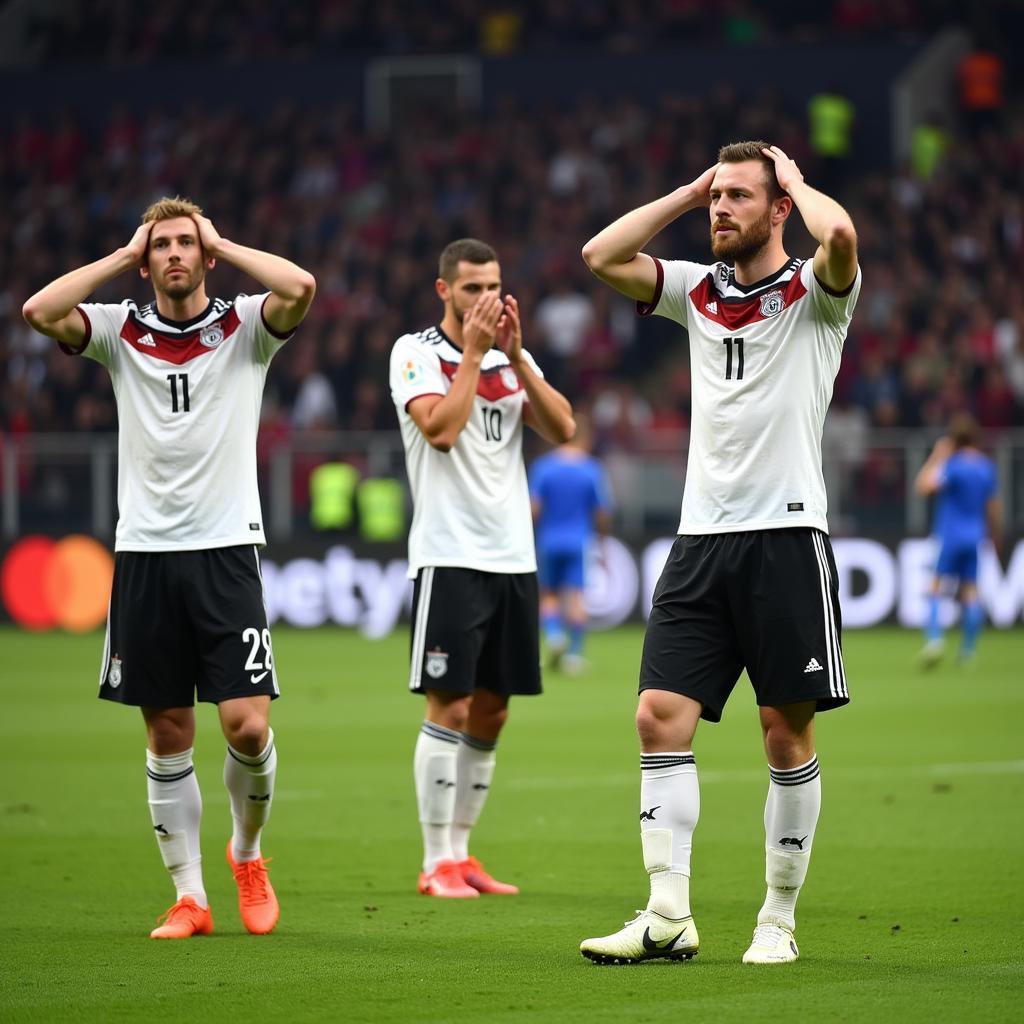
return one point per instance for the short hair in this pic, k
(740, 152)
(167, 209)
(963, 430)
(469, 250)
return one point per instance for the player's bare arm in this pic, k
(51, 311)
(547, 411)
(441, 418)
(614, 254)
(926, 482)
(291, 288)
(835, 262)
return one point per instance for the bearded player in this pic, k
(750, 582)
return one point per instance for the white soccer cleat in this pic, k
(647, 937)
(573, 664)
(931, 654)
(557, 645)
(772, 944)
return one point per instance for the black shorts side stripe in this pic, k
(105, 663)
(419, 634)
(837, 678)
(263, 590)
(832, 608)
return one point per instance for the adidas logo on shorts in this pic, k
(813, 666)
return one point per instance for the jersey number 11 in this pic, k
(173, 379)
(728, 343)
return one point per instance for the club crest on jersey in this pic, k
(211, 336)
(437, 664)
(772, 303)
(114, 673)
(412, 371)
(509, 378)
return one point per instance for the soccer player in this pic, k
(463, 391)
(570, 497)
(750, 581)
(186, 613)
(968, 509)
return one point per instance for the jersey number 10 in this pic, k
(728, 343)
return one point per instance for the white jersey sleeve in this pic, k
(834, 311)
(265, 340)
(675, 279)
(414, 372)
(103, 323)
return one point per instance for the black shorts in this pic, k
(184, 624)
(471, 629)
(766, 601)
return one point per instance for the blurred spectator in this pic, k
(928, 145)
(981, 76)
(831, 118)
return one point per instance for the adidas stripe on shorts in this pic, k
(764, 600)
(473, 628)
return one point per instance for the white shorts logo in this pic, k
(437, 664)
(114, 673)
(211, 337)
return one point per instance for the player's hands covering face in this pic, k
(481, 322)
(509, 334)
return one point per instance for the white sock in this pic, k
(475, 769)
(790, 817)
(435, 771)
(250, 784)
(669, 808)
(176, 808)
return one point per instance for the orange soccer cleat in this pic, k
(257, 903)
(446, 881)
(185, 919)
(474, 874)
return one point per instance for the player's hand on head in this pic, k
(209, 237)
(509, 331)
(139, 242)
(786, 171)
(702, 184)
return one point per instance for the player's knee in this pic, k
(248, 734)
(786, 747)
(653, 729)
(169, 734)
(452, 714)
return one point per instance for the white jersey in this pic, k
(471, 505)
(188, 402)
(763, 359)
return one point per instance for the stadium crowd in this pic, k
(940, 326)
(117, 31)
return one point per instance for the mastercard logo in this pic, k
(64, 584)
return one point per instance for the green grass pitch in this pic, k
(913, 909)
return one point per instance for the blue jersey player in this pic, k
(967, 509)
(570, 498)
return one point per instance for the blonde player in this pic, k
(186, 614)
